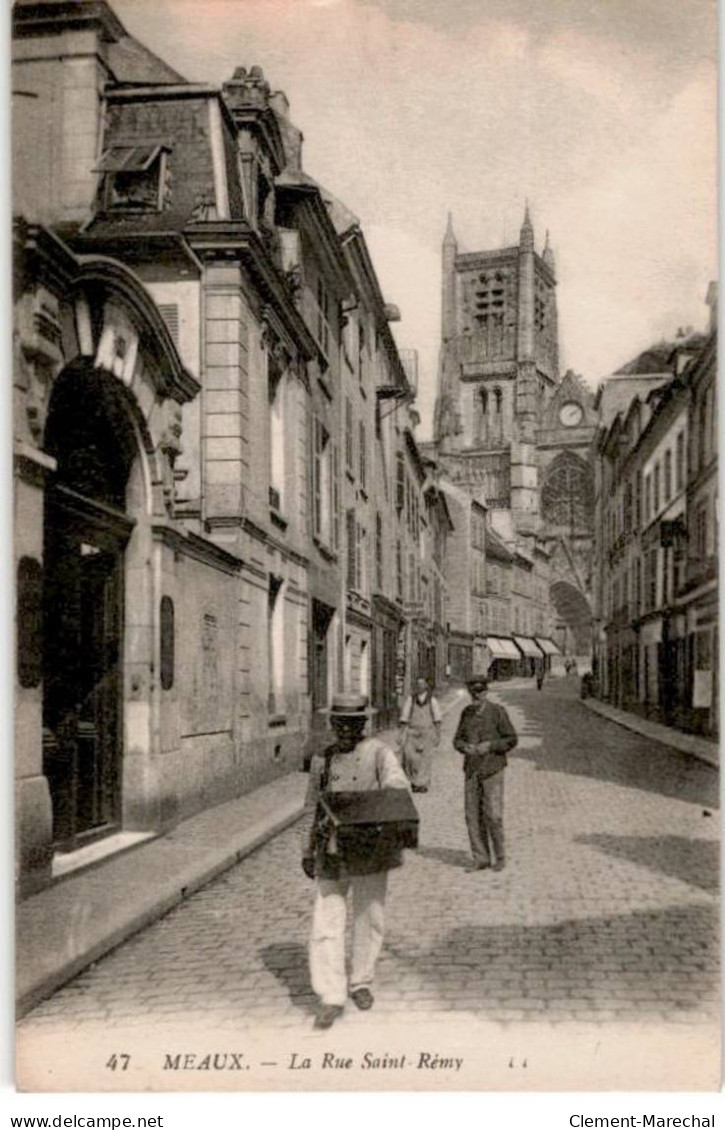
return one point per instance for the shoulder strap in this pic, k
(325, 775)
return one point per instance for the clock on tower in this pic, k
(571, 414)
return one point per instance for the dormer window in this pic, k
(134, 178)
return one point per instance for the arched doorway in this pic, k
(86, 529)
(574, 612)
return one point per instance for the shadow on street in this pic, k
(695, 862)
(574, 740)
(288, 962)
(647, 962)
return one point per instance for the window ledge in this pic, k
(325, 549)
(278, 519)
(276, 720)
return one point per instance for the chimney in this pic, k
(292, 137)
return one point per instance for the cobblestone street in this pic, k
(607, 909)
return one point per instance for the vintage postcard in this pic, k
(365, 456)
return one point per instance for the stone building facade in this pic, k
(191, 322)
(656, 521)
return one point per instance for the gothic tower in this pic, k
(498, 367)
(507, 429)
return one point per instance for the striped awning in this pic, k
(502, 648)
(529, 647)
(548, 646)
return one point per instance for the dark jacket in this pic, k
(484, 722)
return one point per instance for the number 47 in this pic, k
(119, 1062)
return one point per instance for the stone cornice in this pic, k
(200, 549)
(222, 238)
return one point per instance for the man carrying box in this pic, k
(344, 856)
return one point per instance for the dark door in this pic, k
(82, 704)
(321, 617)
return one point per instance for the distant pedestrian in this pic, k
(484, 736)
(352, 764)
(420, 723)
(540, 674)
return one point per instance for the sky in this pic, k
(602, 113)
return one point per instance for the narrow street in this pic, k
(606, 911)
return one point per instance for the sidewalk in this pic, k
(704, 750)
(68, 926)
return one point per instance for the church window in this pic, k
(567, 495)
(498, 397)
(484, 401)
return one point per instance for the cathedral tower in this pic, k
(498, 367)
(507, 429)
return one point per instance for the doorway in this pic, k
(86, 531)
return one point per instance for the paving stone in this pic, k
(607, 909)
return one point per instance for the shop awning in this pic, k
(528, 647)
(502, 648)
(548, 647)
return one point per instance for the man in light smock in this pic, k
(353, 763)
(420, 724)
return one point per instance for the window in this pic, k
(134, 178)
(702, 434)
(656, 502)
(335, 497)
(398, 570)
(567, 494)
(701, 532)
(483, 397)
(362, 455)
(680, 461)
(647, 497)
(29, 631)
(667, 486)
(379, 560)
(326, 491)
(349, 442)
(356, 537)
(351, 546)
(275, 643)
(650, 580)
(638, 501)
(169, 311)
(399, 481)
(498, 397)
(322, 314)
(276, 436)
(361, 353)
(166, 626)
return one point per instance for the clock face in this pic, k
(571, 414)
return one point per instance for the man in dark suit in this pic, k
(484, 737)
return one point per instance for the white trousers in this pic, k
(327, 942)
